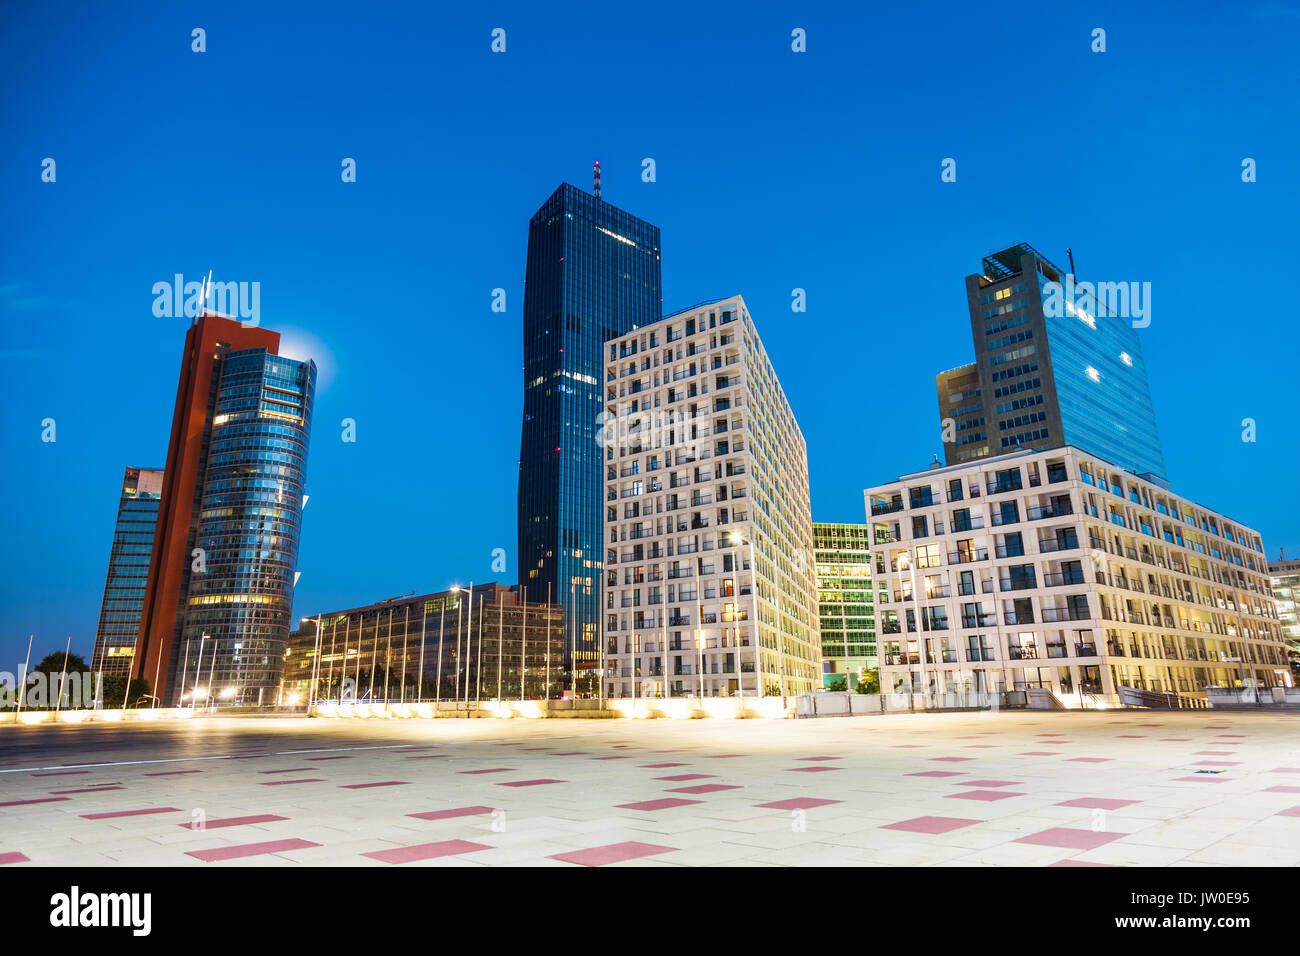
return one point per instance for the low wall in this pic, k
(28, 717)
(641, 708)
(1253, 698)
(837, 704)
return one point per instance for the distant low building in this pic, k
(451, 645)
(1284, 577)
(848, 627)
(1059, 570)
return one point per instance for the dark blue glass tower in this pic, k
(592, 274)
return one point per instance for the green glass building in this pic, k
(848, 624)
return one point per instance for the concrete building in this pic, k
(460, 644)
(842, 553)
(128, 571)
(1053, 366)
(710, 586)
(1056, 569)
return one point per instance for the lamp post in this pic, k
(315, 668)
(459, 617)
(212, 670)
(198, 669)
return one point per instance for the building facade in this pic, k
(1053, 367)
(710, 587)
(128, 571)
(842, 553)
(592, 274)
(219, 594)
(1284, 579)
(461, 644)
(1057, 569)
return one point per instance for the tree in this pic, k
(840, 683)
(52, 664)
(115, 692)
(870, 682)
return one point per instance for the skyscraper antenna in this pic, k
(596, 169)
(1070, 252)
(203, 298)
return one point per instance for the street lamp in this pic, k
(198, 669)
(470, 590)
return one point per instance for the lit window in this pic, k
(1092, 373)
(1126, 358)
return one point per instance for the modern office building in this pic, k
(219, 594)
(128, 571)
(710, 587)
(1058, 569)
(462, 644)
(1284, 577)
(842, 553)
(1053, 366)
(592, 274)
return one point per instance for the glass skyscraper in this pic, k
(219, 596)
(1048, 371)
(249, 522)
(592, 274)
(128, 571)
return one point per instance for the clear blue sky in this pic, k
(775, 170)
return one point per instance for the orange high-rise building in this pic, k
(214, 493)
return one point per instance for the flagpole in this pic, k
(501, 621)
(63, 673)
(22, 684)
(406, 623)
(523, 648)
(419, 677)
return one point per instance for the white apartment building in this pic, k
(710, 586)
(1056, 569)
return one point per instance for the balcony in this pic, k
(968, 557)
(982, 654)
(1048, 545)
(1085, 650)
(1010, 617)
(1055, 615)
(1017, 584)
(1063, 579)
(1050, 511)
(885, 508)
(1022, 653)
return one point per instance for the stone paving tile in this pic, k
(886, 772)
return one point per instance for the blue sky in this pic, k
(775, 170)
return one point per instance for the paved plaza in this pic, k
(1012, 788)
